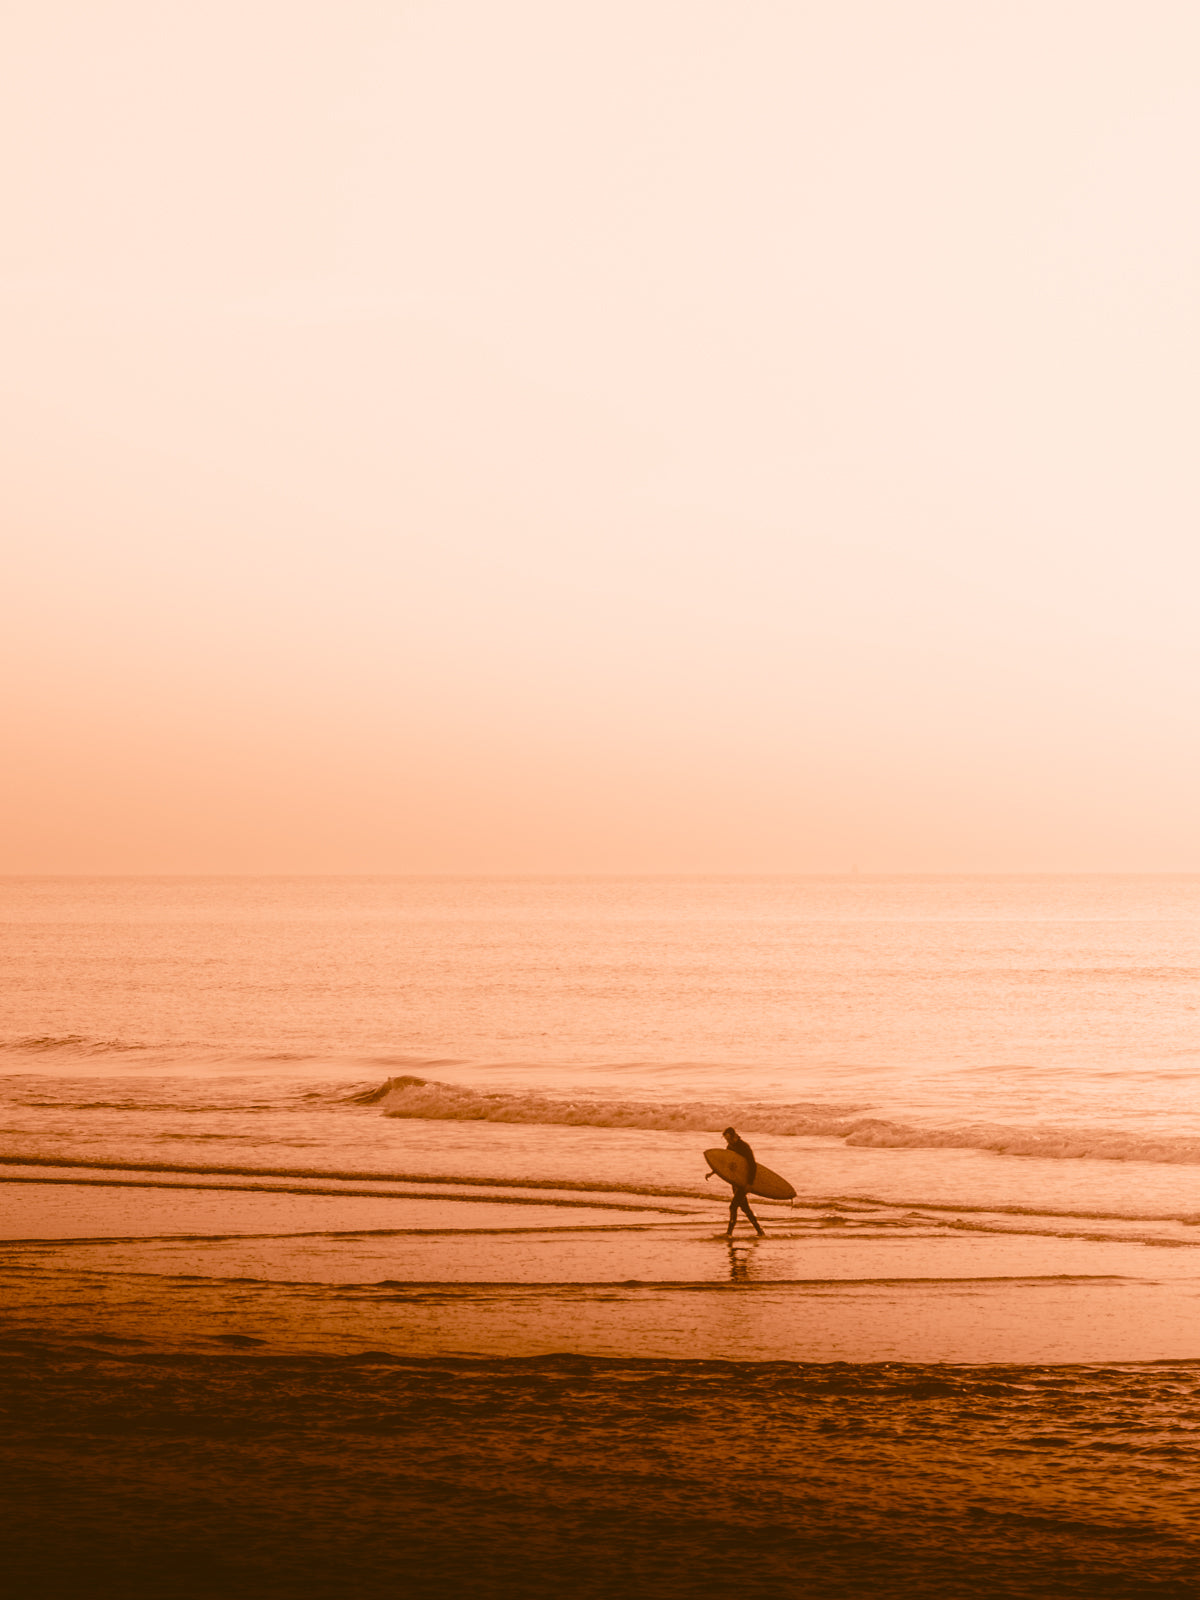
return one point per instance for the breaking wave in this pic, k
(426, 1099)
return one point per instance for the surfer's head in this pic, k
(729, 1135)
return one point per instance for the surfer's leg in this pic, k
(733, 1211)
(746, 1208)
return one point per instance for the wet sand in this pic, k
(254, 1388)
(139, 1474)
(493, 1271)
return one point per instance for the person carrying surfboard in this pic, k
(739, 1201)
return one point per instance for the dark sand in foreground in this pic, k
(162, 1474)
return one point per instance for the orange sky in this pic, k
(624, 435)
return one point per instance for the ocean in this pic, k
(450, 1132)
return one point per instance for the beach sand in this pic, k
(138, 1473)
(211, 1389)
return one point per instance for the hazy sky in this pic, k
(600, 435)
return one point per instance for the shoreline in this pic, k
(175, 1305)
(506, 1271)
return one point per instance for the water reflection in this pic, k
(741, 1259)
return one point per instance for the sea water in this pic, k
(501, 1090)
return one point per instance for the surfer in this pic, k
(739, 1201)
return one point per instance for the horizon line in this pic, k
(597, 877)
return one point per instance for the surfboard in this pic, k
(729, 1165)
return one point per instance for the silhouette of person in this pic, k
(739, 1201)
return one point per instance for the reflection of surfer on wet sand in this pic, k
(736, 1164)
(740, 1257)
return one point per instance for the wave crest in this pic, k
(1052, 1144)
(426, 1099)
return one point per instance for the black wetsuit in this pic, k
(740, 1202)
(741, 1148)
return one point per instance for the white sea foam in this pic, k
(416, 1098)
